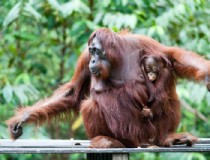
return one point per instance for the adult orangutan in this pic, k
(110, 90)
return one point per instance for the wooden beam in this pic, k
(81, 146)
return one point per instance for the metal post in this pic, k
(108, 156)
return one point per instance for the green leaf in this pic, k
(22, 78)
(26, 93)
(105, 3)
(31, 92)
(12, 15)
(24, 36)
(32, 11)
(120, 20)
(202, 46)
(20, 93)
(68, 8)
(54, 4)
(125, 2)
(7, 92)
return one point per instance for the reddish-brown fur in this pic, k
(158, 89)
(112, 116)
(160, 102)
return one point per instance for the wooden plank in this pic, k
(71, 146)
(203, 141)
(110, 150)
(46, 143)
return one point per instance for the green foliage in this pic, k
(182, 156)
(21, 8)
(41, 40)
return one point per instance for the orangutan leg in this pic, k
(180, 138)
(105, 142)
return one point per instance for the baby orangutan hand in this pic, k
(146, 112)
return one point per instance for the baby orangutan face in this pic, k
(152, 67)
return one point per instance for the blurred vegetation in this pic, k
(40, 41)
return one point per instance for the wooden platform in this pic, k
(81, 146)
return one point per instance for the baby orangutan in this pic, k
(155, 69)
(152, 66)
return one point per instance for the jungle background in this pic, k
(40, 41)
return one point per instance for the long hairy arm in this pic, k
(65, 99)
(187, 64)
(190, 65)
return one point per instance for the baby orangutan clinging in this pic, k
(157, 70)
(152, 67)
